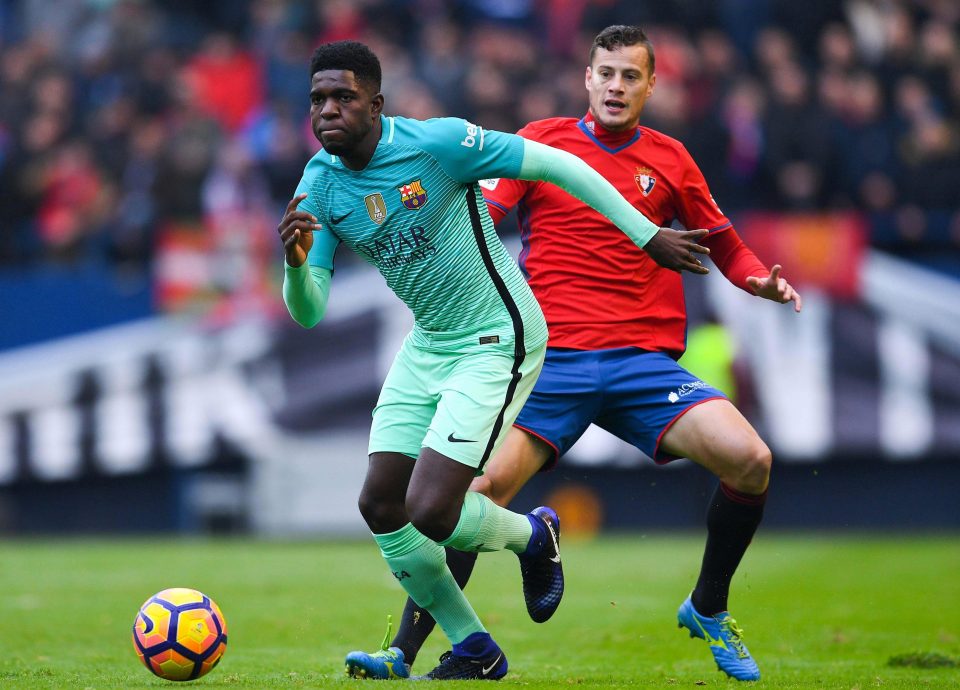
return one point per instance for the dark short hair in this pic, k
(348, 55)
(618, 36)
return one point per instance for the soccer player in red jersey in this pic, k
(617, 326)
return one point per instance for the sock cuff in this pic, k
(468, 509)
(743, 498)
(478, 644)
(405, 540)
(537, 536)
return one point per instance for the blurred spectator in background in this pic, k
(73, 201)
(799, 149)
(224, 81)
(117, 117)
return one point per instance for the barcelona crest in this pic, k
(645, 180)
(413, 195)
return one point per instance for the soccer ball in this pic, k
(180, 634)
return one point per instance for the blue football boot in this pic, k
(541, 569)
(725, 639)
(385, 664)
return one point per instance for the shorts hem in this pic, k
(664, 458)
(472, 462)
(550, 464)
(412, 456)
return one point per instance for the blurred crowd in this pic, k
(165, 136)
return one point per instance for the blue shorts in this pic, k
(634, 394)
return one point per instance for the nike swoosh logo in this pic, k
(486, 669)
(337, 221)
(556, 546)
(454, 439)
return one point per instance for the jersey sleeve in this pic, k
(325, 242)
(468, 152)
(734, 258)
(696, 208)
(305, 292)
(502, 194)
(574, 176)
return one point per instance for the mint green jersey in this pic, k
(416, 213)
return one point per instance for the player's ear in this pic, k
(650, 85)
(376, 105)
(586, 79)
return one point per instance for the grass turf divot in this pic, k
(923, 660)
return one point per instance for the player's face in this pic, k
(619, 83)
(342, 110)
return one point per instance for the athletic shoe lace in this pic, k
(734, 636)
(450, 666)
(454, 667)
(385, 645)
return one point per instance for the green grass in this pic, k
(819, 611)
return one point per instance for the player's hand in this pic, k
(296, 232)
(775, 288)
(676, 249)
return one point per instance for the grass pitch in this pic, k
(819, 611)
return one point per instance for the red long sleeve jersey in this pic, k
(597, 289)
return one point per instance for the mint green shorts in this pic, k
(459, 403)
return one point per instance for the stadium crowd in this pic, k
(152, 136)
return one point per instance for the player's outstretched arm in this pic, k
(671, 249)
(677, 249)
(305, 288)
(775, 288)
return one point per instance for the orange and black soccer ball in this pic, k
(180, 634)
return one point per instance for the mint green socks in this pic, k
(485, 526)
(420, 566)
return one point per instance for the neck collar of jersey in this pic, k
(605, 139)
(387, 127)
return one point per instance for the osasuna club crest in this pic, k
(413, 195)
(645, 181)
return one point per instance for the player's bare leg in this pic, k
(715, 435)
(382, 506)
(474, 522)
(409, 506)
(718, 437)
(384, 493)
(520, 457)
(441, 512)
(434, 499)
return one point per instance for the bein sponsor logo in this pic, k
(474, 132)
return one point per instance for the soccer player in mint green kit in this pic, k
(402, 193)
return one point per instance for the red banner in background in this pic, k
(821, 249)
